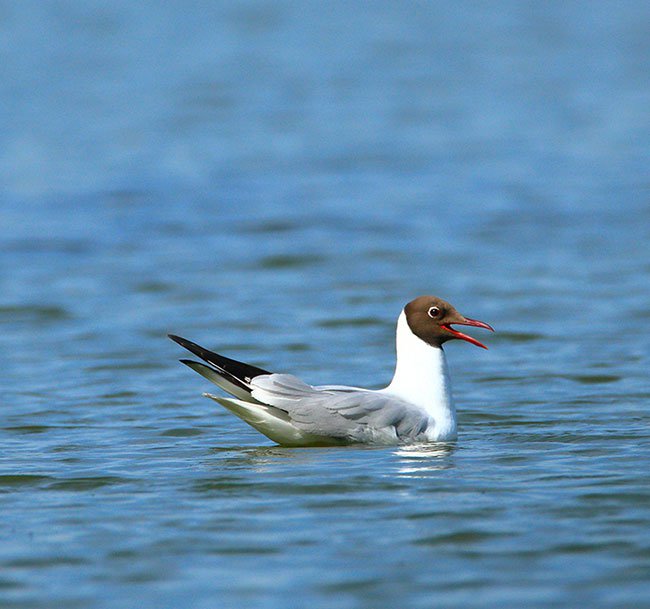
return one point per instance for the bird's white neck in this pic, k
(421, 378)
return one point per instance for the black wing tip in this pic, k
(233, 367)
(190, 346)
(177, 339)
(190, 362)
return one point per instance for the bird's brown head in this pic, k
(431, 318)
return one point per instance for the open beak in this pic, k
(465, 321)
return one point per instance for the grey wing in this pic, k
(347, 413)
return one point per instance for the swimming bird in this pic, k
(415, 407)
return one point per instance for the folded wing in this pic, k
(291, 412)
(354, 415)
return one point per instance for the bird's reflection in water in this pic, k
(414, 460)
(261, 458)
(419, 460)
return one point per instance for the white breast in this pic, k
(422, 378)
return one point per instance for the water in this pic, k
(275, 181)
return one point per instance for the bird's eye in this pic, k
(434, 312)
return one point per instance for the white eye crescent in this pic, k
(433, 312)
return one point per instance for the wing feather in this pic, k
(354, 415)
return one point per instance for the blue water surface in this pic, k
(275, 180)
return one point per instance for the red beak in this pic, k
(468, 322)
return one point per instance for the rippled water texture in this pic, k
(275, 181)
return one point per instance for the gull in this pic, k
(415, 407)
